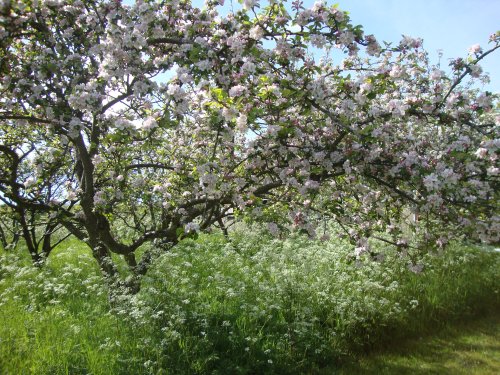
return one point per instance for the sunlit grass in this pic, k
(251, 304)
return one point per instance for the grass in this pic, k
(461, 348)
(248, 305)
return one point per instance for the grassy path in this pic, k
(466, 348)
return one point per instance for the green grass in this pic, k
(250, 305)
(461, 348)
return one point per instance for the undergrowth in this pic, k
(248, 305)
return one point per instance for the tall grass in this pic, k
(250, 304)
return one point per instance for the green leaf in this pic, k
(285, 131)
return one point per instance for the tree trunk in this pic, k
(103, 257)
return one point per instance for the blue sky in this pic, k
(450, 25)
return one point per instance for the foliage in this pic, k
(251, 304)
(258, 117)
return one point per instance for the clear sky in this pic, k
(450, 25)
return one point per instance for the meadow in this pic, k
(247, 304)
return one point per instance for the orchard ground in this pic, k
(253, 304)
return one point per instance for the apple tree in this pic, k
(127, 125)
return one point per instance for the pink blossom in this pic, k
(237, 90)
(476, 48)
